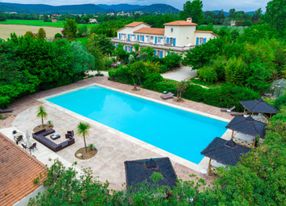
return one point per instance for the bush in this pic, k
(208, 74)
(280, 101)
(166, 85)
(227, 95)
(172, 60)
(152, 80)
(163, 68)
(219, 64)
(236, 71)
(120, 74)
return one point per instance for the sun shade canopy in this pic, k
(247, 125)
(224, 152)
(140, 171)
(258, 106)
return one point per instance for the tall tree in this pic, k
(41, 34)
(276, 15)
(70, 29)
(102, 42)
(257, 15)
(193, 9)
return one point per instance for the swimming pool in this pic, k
(176, 131)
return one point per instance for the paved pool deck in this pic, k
(113, 146)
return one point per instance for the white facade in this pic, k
(178, 36)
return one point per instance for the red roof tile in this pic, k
(17, 172)
(146, 30)
(180, 23)
(134, 24)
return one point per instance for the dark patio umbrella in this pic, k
(247, 125)
(258, 106)
(225, 152)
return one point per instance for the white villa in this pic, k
(177, 36)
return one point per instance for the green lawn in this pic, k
(59, 24)
(33, 23)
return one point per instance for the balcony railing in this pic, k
(151, 44)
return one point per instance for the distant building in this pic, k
(122, 13)
(110, 14)
(232, 23)
(177, 36)
(92, 21)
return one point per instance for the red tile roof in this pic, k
(17, 172)
(202, 31)
(146, 30)
(134, 24)
(180, 23)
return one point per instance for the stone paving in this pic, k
(113, 147)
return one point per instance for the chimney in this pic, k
(190, 19)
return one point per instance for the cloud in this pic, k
(247, 5)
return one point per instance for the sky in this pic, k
(246, 5)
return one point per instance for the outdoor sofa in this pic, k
(41, 137)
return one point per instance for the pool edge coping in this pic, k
(180, 160)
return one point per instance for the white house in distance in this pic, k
(177, 36)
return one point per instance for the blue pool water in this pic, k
(179, 132)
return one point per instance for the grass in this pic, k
(58, 24)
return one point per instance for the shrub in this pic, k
(172, 60)
(227, 95)
(280, 101)
(152, 80)
(236, 71)
(163, 68)
(120, 74)
(208, 74)
(166, 85)
(219, 64)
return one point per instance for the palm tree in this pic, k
(83, 129)
(42, 113)
(181, 87)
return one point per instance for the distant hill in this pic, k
(84, 8)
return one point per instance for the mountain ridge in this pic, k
(84, 8)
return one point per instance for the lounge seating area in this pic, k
(43, 137)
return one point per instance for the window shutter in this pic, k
(197, 41)
(174, 42)
(205, 40)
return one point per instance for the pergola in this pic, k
(141, 171)
(224, 152)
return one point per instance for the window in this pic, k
(201, 40)
(172, 30)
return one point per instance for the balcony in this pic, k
(163, 46)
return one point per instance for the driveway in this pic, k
(183, 73)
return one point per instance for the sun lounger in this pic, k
(168, 95)
(6, 110)
(227, 110)
(236, 113)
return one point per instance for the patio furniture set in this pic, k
(47, 136)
